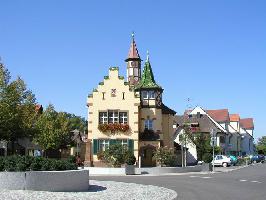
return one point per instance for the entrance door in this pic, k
(147, 156)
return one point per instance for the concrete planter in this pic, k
(206, 167)
(54, 181)
(130, 169)
(12, 180)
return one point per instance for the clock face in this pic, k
(133, 64)
(136, 78)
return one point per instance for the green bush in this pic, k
(116, 155)
(130, 159)
(165, 157)
(27, 163)
(71, 159)
(1, 164)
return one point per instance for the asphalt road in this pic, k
(244, 184)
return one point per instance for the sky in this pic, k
(213, 52)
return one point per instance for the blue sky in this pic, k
(210, 51)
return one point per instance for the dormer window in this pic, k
(148, 94)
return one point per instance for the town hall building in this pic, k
(130, 112)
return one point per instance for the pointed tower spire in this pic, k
(147, 81)
(133, 63)
(133, 51)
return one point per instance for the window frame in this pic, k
(103, 119)
(104, 145)
(148, 124)
(113, 116)
(123, 117)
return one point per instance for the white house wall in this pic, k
(250, 131)
(234, 126)
(192, 149)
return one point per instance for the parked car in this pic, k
(257, 158)
(221, 160)
(234, 160)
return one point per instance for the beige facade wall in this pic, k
(168, 130)
(130, 104)
(153, 114)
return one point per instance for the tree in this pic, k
(53, 129)
(17, 108)
(77, 122)
(165, 157)
(261, 146)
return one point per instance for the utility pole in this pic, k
(182, 153)
(213, 141)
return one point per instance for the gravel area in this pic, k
(98, 190)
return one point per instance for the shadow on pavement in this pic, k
(96, 188)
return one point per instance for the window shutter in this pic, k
(112, 142)
(131, 145)
(95, 146)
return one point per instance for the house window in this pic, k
(149, 124)
(148, 94)
(136, 71)
(123, 118)
(131, 71)
(123, 95)
(124, 143)
(222, 139)
(103, 118)
(151, 95)
(104, 144)
(113, 116)
(145, 95)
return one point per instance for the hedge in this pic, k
(27, 163)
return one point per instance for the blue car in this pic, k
(258, 159)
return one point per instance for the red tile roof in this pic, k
(221, 115)
(247, 123)
(234, 118)
(39, 108)
(133, 51)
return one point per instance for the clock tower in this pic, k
(133, 64)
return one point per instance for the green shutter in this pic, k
(95, 146)
(131, 145)
(112, 142)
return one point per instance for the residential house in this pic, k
(237, 134)
(129, 112)
(200, 122)
(234, 147)
(247, 139)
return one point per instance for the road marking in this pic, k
(255, 182)
(194, 176)
(206, 177)
(243, 180)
